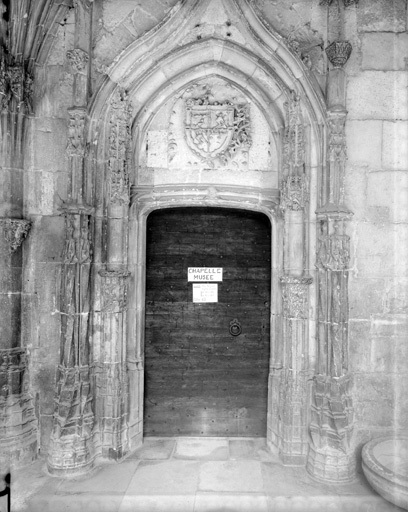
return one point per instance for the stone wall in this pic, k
(377, 193)
(376, 188)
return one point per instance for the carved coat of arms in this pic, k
(216, 130)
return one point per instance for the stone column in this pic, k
(18, 425)
(111, 370)
(290, 420)
(331, 455)
(71, 449)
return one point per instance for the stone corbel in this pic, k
(15, 230)
(338, 53)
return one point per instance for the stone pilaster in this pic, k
(111, 371)
(111, 374)
(331, 455)
(289, 425)
(72, 450)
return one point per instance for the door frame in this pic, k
(147, 199)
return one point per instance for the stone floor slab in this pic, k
(112, 478)
(177, 503)
(230, 503)
(231, 476)
(75, 503)
(164, 478)
(154, 449)
(204, 448)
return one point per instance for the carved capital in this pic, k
(15, 230)
(78, 59)
(338, 53)
(294, 193)
(76, 131)
(114, 290)
(294, 294)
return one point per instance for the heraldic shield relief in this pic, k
(213, 129)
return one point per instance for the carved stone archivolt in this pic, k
(295, 296)
(217, 130)
(78, 59)
(15, 231)
(119, 138)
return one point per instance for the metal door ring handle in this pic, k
(235, 327)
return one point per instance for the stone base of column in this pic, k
(331, 465)
(18, 424)
(70, 456)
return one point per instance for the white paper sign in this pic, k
(204, 274)
(205, 292)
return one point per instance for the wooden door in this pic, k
(200, 380)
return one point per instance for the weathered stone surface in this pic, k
(366, 297)
(382, 15)
(384, 51)
(49, 144)
(378, 95)
(364, 143)
(359, 345)
(375, 401)
(395, 149)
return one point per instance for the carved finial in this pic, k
(15, 230)
(77, 59)
(338, 53)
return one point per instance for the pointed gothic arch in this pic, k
(141, 80)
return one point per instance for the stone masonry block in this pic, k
(401, 402)
(359, 345)
(364, 141)
(389, 325)
(378, 95)
(48, 239)
(396, 295)
(53, 95)
(50, 142)
(382, 15)
(366, 297)
(389, 190)
(375, 248)
(374, 400)
(384, 51)
(395, 145)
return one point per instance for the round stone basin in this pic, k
(385, 465)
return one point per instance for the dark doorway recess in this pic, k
(200, 380)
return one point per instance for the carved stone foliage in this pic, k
(114, 290)
(16, 85)
(336, 121)
(78, 59)
(215, 130)
(338, 53)
(15, 230)
(294, 294)
(119, 138)
(18, 424)
(333, 251)
(294, 193)
(294, 138)
(76, 132)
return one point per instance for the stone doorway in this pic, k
(207, 363)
